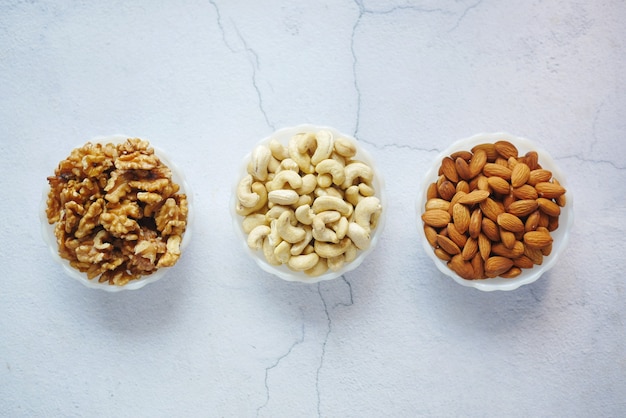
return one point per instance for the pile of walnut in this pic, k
(118, 214)
(309, 205)
(491, 212)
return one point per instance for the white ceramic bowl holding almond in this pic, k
(283, 271)
(49, 237)
(560, 235)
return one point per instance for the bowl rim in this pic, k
(282, 271)
(47, 230)
(560, 235)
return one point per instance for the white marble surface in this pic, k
(218, 337)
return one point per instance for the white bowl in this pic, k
(560, 235)
(282, 271)
(49, 237)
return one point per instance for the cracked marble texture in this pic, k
(218, 337)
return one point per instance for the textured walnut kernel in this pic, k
(118, 215)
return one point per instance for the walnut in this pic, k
(118, 215)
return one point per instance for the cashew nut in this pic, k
(367, 211)
(324, 142)
(324, 203)
(246, 197)
(278, 150)
(329, 191)
(350, 254)
(302, 159)
(345, 147)
(309, 183)
(303, 262)
(287, 164)
(283, 252)
(252, 221)
(353, 195)
(275, 211)
(320, 232)
(357, 170)
(324, 180)
(259, 161)
(341, 227)
(287, 231)
(259, 189)
(328, 249)
(283, 197)
(285, 177)
(298, 247)
(318, 269)
(360, 236)
(336, 263)
(366, 189)
(268, 252)
(305, 215)
(332, 167)
(257, 235)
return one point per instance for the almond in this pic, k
(495, 169)
(455, 200)
(537, 239)
(470, 249)
(539, 175)
(490, 151)
(506, 149)
(525, 192)
(476, 219)
(500, 185)
(442, 255)
(496, 265)
(523, 262)
(461, 267)
(465, 155)
(548, 207)
(474, 197)
(549, 190)
(446, 190)
(531, 159)
(454, 234)
(478, 161)
(448, 245)
(431, 191)
(461, 216)
(448, 169)
(516, 251)
(561, 200)
(491, 209)
(479, 267)
(512, 273)
(490, 229)
(482, 182)
(534, 254)
(546, 250)
(463, 169)
(507, 238)
(519, 175)
(436, 218)
(462, 186)
(484, 246)
(553, 223)
(437, 203)
(521, 208)
(431, 235)
(510, 222)
(532, 222)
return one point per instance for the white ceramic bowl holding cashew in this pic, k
(560, 235)
(283, 271)
(49, 237)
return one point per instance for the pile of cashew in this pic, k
(309, 204)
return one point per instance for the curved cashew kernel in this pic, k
(268, 252)
(309, 183)
(259, 161)
(305, 215)
(329, 191)
(324, 203)
(287, 231)
(257, 236)
(288, 164)
(278, 150)
(332, 167)
(306, 142)
(303, 262)
(350, 254)
(360, 236)
(345, 147)
(272, 167)
(320, 232)
(274, 237)
(282, 252)
(324, 180)
(324, 142)
(336, 263)
(252, 221)
(308, 249)
(303, 200)
(325, 235)
(246, 197)
(285, 177)
(341, 227)
(366, 190)
(355, 171)
(302, 159)
(275, 211)
(328, 250)
(318, 269)
(367, 211)
(298, 247)
(283, 197)
(259, 189)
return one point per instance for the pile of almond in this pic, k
(491, 211)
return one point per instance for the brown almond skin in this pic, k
(506, 149)
(437, 203)
(532, 160)
(448, 169)
(490, 151)
(510, 222)
(498, 170)
(496, 265)
(470, 249)
(461, 216)
(523, 262)
(462, 186)
(464, 155)
(512, 273)
(461, 267)
(507, 238)
(548, 207)
(537, 239)
(516, 251)
(432, 192)
(521, 208)
(436, 218)
(474, 197)
(478, 161)
(446, 190)
(539, 175)
(442, 255)
(476, 221)
(455, 199)
(454, 234)
(431, 235)
(532, 222)
(491, 209)
(534, 254)
(549, 190)
(463, 169)
(491, 229)
(499, 185)
(478, 264)
(484, 246)
(519, 175)
(525, 192)
(448, 245)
